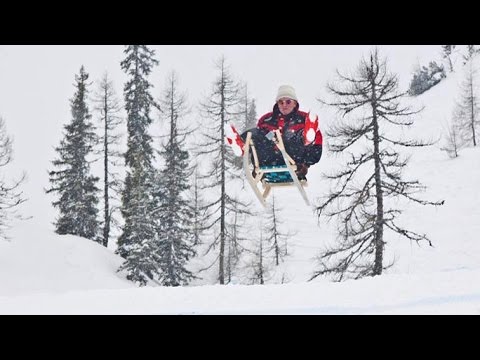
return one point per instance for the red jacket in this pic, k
(295, 121)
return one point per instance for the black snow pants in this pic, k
(269, 154)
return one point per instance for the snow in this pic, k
(44, 273)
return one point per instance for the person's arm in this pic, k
(266, 124)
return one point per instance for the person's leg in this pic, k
(266, 149)
(313, 154)
(303, 155)
(294, 145)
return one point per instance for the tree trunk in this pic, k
(379, 244)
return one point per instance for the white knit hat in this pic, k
(286, 91)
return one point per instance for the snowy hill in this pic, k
(44, 273)
(37, 260)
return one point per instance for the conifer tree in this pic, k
(425, 78)
(199, 213)
(260, 271)
(235, 239)
(447, 52)
(276, 238)
(471, 51)
(10, 195)
(72, 181)
(219, 109)
(372, 173)
(452, 141)
(467, 110)
(247, 115)
(109, 107)
(176, 237)
(138, 241)
(271, 248)
(248, 111)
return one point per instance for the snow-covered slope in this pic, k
(41, 272)
(36, 260)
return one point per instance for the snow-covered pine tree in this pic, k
(176, 235)
(138, 242)
(276, 238)
(447, 51)
(259, 270)
(372, 174)
(199, 214)
(248, 110)
(425, 78)
(108, 106)
(235, 243)
(467, 110)
(247, 116)
(453, 141)
(10, 195)
(471, 51)
(72, 179)
(271, 247)
(219, 109)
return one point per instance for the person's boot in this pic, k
(302, 170)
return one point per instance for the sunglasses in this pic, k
(287, 102)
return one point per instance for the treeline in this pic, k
(452, 57)
(163, 203)
(464, 126)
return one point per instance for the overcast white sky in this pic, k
(41, 272)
